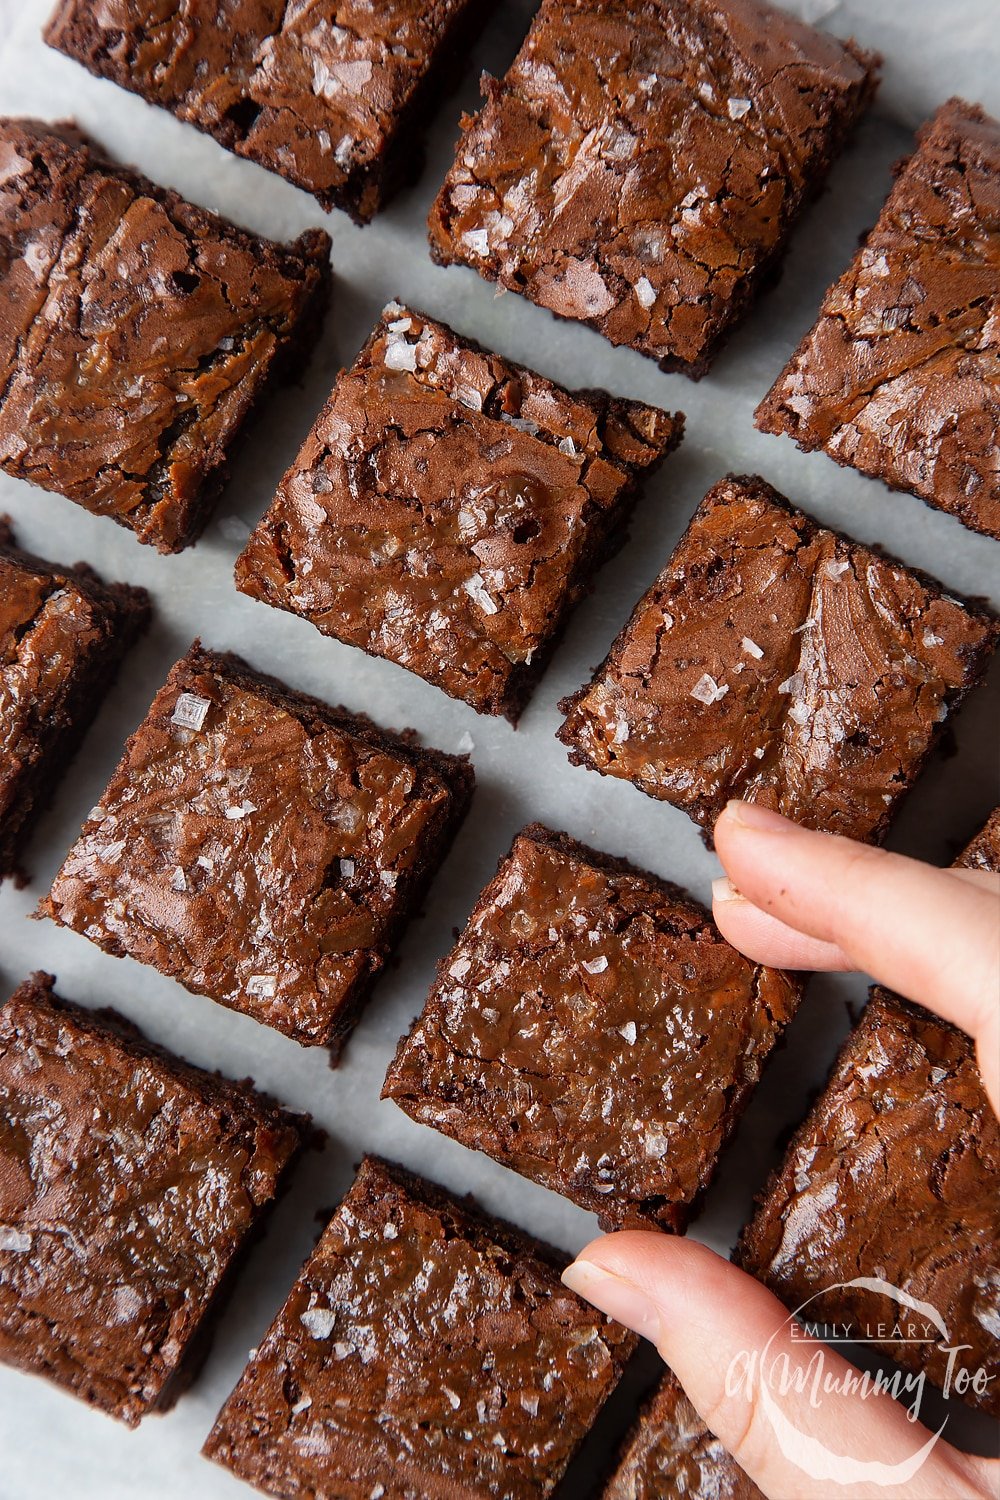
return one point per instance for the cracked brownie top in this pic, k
(129, 1182)
(900, 377)
(449, 507)
(779, 662)
(670, 1452)
(259, 846)
(641, 165)
(427, 1349)
(593, 1031)
(893, 1175)
(321, 91)
(136, 332)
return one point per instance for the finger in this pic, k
(933, 935)
(765, 938)
(719, 1330)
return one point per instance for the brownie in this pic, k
(449, 508)
(261, 847)
(136, 332)
(643, 162)
(893, 1177)
(63, 634)
(331, 96)
(898, 378)
(130, 1185)
(670, 1454)
(426, 1349)
(782, 663)
(592, 1030)
(983, 852)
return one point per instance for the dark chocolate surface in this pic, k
(136, 332)
(330, 95)
(899, 377)
(427, 1351)
(129, 1183)
(893, 1176)
(671, 1455)
(592, 1030)
(449, 508)
(640, 165)
(782, 663)
(62, 635)
(261, 847)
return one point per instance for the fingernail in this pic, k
(613, 1295)
(761, 819)
(723, 890)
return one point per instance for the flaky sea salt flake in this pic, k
(707, 690)
(190, 711)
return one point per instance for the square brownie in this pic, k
(136, 332)
(893, 1176)
(449, 508)
(641, 165)
(130, 1185)
(261, 847)
(671, 1453)
(782, 663)
(898, 378)
(332, 96)
(63, 634)
(983, 852)
(592, 1030)
(426, 1349)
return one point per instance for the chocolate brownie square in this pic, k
(671, 1453)
(592, 1030)
(426, 1349)
(332, 96)
(641, 165)
(63, 634)
(130, 1185)
(893, 1178)
(899, 376)
(261, 847)
(983, 852)
(782, 663)
(449, 508)
(136, 332)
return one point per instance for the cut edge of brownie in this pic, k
(754, 485)
(606, 532)
(657, 1211)
(773, 416)
(127, 610)
(454, 771)
(368, 187)
(212, 1087)
(307, 258)
(764, 275)
(462, 1217)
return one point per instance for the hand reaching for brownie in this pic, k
(800, 899)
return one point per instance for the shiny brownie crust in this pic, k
(426, 1349)
(592, 1030)
(450, 507)
(261, 847)
(130, 1184)
(779, 662)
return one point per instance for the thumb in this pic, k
(796, 1416)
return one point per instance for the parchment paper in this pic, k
(51, 1445)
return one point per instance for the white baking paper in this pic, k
(49, 1444)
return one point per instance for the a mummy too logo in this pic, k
(782, 1380)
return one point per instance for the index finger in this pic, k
(929, 934)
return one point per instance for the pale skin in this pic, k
(803, 900)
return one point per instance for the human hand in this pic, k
(797, 899)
